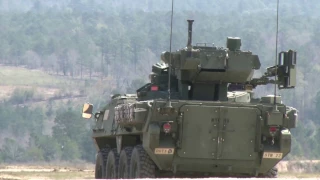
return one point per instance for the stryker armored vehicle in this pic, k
(198, 117)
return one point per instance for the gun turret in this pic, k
(204, 72)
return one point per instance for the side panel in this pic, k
(217, 132)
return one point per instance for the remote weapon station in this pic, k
(197, 117)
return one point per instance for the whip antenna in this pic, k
(275, 77)
(169, 73)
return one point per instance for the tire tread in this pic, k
(147, 167)
(125, 153)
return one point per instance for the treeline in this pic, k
(24, 137)
(49, 131)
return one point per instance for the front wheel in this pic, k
(99, 166)
(101, 160)
(141, 165)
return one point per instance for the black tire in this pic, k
(99, 166)
(272, 173)
(124, 163)
(101, 160)
(141, 166)
(112, 164)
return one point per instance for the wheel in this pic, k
(124, 163)
(101, 159)
(99, 166)
(272, 173)
(112, 164)
(141, 166)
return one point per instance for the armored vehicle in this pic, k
(198, 117)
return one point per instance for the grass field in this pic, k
(19, 76)
(45, 85)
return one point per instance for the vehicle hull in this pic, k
(206, 137)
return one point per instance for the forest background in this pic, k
(57, 54)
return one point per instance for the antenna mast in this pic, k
(169, 73)
(275, 77)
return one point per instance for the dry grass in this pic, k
(48, 175)
(302, 166)
(56, 170)
(299, 169)
(299, 175)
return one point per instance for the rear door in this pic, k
(219, 132)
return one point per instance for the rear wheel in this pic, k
(141, 165)
(112, 164)
(124, 163)
(272, 173)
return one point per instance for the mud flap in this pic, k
(271, 156)
(161, 151)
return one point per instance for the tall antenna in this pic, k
(169, 73)
(275, 77)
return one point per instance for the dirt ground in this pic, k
(49, 172)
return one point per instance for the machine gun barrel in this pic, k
(285, 70)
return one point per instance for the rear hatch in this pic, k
(219, 132)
